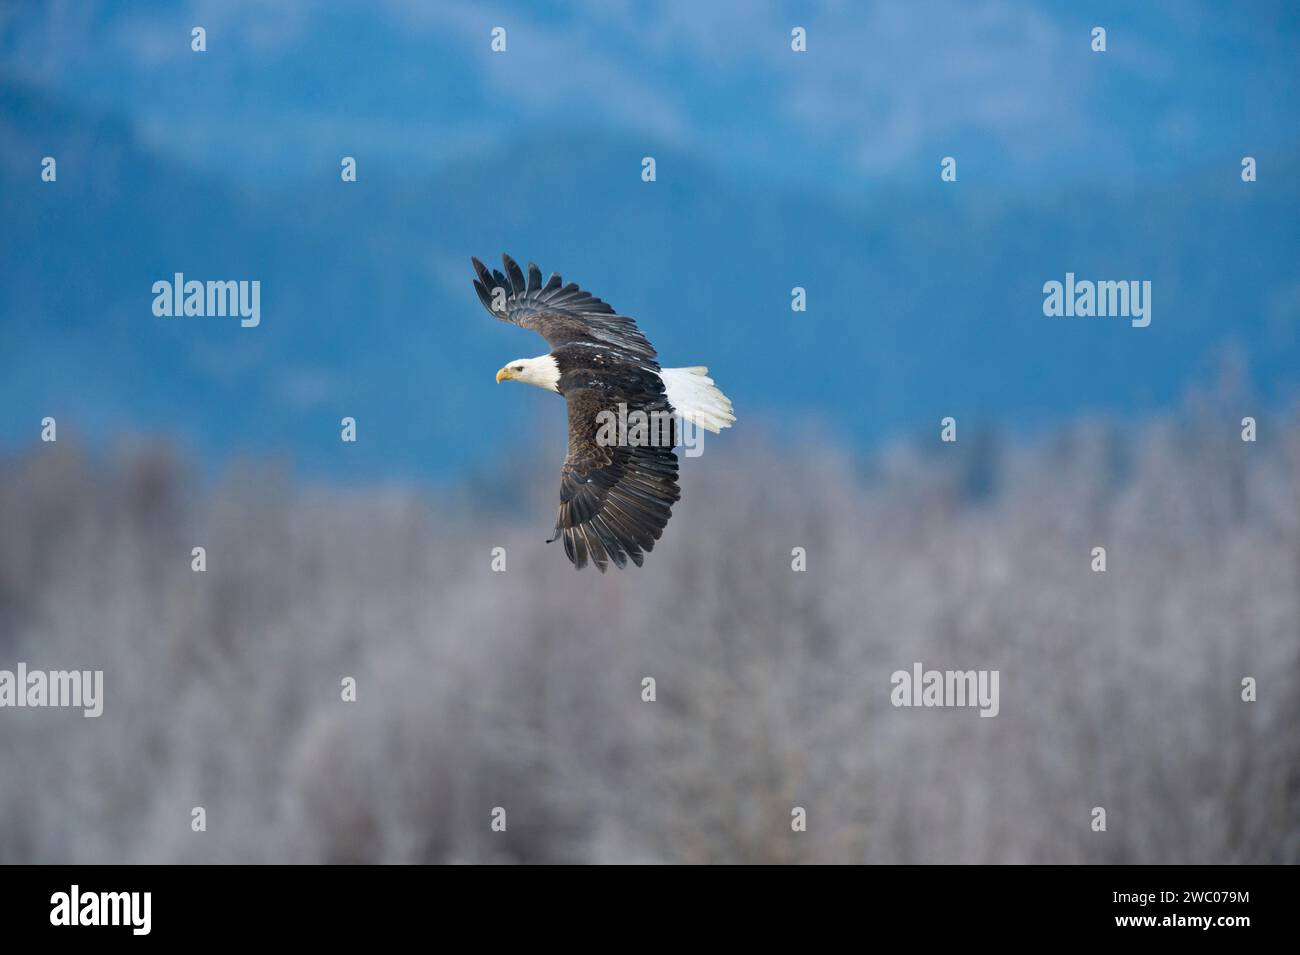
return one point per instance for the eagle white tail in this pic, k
(693, 395)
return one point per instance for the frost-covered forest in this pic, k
(523, 689)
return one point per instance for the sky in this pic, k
(817, 169)
(882, 91)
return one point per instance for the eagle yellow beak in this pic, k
(504, 374)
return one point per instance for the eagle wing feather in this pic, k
(615, 500)
(562, 314)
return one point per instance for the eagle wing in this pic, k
(614, 499)
(562, 314)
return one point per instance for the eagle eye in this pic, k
(519, 367)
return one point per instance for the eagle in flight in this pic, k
(616, 491)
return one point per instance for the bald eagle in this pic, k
(615, 495)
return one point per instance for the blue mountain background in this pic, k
(924, 298)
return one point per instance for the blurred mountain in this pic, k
(921, 303)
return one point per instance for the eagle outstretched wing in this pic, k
(614, 500)
(562, 314)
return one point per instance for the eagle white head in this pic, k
(542, 371)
